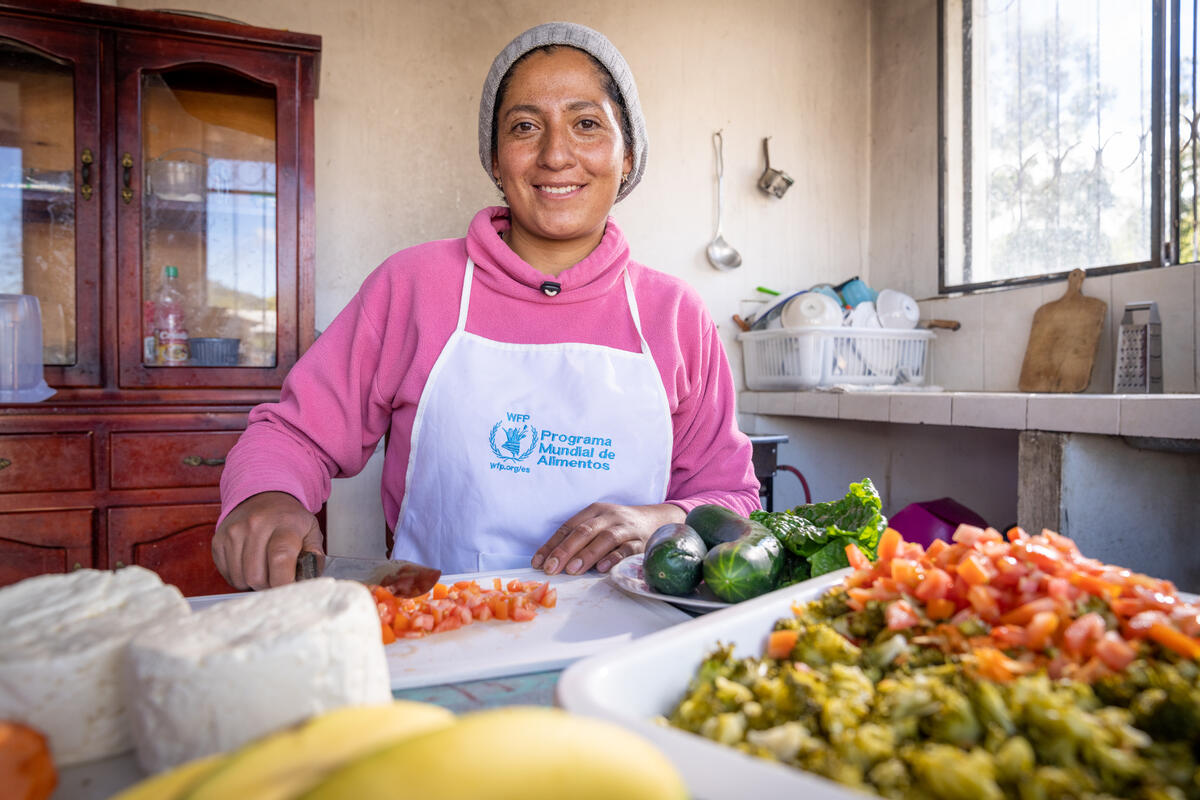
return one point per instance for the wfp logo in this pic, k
(510, 443)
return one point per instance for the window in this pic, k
(1069, 138)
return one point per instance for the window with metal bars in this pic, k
(1070, 137)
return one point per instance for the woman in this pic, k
(550, 402)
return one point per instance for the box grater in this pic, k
(1139, 351)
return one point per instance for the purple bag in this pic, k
(933, 519)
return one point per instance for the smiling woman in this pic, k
(536, 415)
(559, 156)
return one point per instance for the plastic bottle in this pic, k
(169, 328)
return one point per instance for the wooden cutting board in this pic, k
(1063, 341)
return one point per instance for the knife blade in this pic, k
(401, 578)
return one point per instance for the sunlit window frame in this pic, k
(1164, 172)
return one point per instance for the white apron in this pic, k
(511, 440)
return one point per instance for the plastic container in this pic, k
(21, 375)
(810, 358)
(214, 352)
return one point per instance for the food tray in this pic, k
(633, 684)
(809, 358)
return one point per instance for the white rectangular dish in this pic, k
(638, 682)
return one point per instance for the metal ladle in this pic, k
(720, 253)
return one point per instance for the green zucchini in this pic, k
(717, 524)
(674, 560)
(744, 568)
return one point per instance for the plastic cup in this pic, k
(21, 375)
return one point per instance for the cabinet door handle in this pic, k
(126, 177)
(85, 172)
(4, 462)
(200, 461)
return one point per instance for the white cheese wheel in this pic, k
(251, 665)
(62, 639)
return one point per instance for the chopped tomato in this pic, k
(447, 608)
(1040, 630)
(1026, 590)
(858, 559)
(900, 616)
(889, 543)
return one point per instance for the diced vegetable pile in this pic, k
(449, 607)
(983, 668)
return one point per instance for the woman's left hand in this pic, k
(601, 535)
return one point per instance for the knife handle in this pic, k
(306, 566)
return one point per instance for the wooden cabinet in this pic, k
(141, 150)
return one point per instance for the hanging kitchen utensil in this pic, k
(720, 253)
(773, 181)
(1063, 340)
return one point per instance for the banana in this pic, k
(283, 764)
(517, 752)
(172, 783)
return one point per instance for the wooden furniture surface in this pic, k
(122, 465)
(1063, 341)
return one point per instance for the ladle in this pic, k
(720, 253)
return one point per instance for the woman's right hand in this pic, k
(256, 545)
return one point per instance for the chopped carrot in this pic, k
(1172, 639)
(781, 643)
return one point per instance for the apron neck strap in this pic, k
(466, 295)
(465, 302)
(633, 312)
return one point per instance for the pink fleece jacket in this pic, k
(363, 376)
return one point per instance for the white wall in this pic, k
(397, 159)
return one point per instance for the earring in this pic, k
(500, 184)
(625, 178)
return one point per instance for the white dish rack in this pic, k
(811, 358)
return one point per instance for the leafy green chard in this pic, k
(819, 532)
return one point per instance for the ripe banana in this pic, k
(517, 752)
(172, 783)
(290, 761)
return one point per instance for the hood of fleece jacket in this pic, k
(504, 271)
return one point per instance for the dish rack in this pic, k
(810, 358)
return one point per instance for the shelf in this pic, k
(1169, 416)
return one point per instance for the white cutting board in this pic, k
(592, 615)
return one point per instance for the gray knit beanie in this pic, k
(589, 41)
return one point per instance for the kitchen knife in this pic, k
(401, 578)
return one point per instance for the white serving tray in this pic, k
(635, 683)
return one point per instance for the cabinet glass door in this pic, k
(49, 173)
(206, 217)
(208, 209)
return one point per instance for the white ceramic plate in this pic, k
(628, 575)
(633, 684)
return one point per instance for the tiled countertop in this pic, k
(1174, 416)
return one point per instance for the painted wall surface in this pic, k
(1128, 506)
(397, 156)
